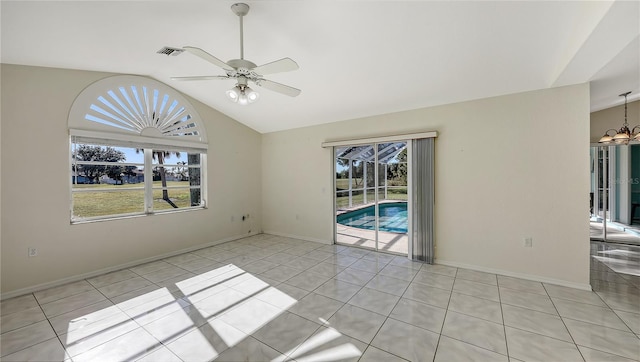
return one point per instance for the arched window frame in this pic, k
(136, 112)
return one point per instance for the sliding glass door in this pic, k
(371, 194)
(615, 193)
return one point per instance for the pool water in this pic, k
(393, 217)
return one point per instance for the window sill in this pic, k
(136, 215)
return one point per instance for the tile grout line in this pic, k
(388, 316)
(572, 338)
(293, 350)
(504, 325)
(444, 318)
(563, 322)
(361, 287)
(607, 304)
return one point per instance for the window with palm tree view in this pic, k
(110, 181)
(137, 148)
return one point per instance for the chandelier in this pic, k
(624, 135)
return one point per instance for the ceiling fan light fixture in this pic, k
(234, 94)
(247, 96)
(252, 95)
(242, 94)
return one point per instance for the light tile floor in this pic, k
(269, 298)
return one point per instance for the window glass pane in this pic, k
(383, 169)
(357, 198)
(342, 174)
(175, 184)
(371, 173)
(169, 157)
(342, 200)
(95, 164)
(193, 173)
(371, 196)
(357, 173)
(102, 178)
(104, 203)
(395, 177)
(173, 198)
(396, 193)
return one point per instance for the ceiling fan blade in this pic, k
(278, 66)
(208, 57)
(280, 88)
(201, 77)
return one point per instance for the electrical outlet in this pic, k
(31, 252)
(528, 242)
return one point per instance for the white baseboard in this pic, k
(535, 278)
(75, 278)
(305, 238)
(95, 273)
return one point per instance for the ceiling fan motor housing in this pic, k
(240, 9)
(241, 63)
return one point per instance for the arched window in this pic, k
(138, 147)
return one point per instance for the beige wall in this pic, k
(35, 188)
(507, 168)
(613, 118)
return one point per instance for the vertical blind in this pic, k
(422, 180)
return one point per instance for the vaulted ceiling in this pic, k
(356, 58)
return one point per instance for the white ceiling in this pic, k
(357, 58)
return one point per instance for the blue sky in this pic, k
(133, 157)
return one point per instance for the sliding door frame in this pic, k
(408, 138)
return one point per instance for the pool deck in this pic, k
(343, 210)
(387, 242)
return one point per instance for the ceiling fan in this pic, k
(245, 71)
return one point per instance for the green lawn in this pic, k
(100, 203)
(343, 183)
(399, 193)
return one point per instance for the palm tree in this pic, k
(161, 156)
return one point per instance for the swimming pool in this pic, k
(393, 217)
